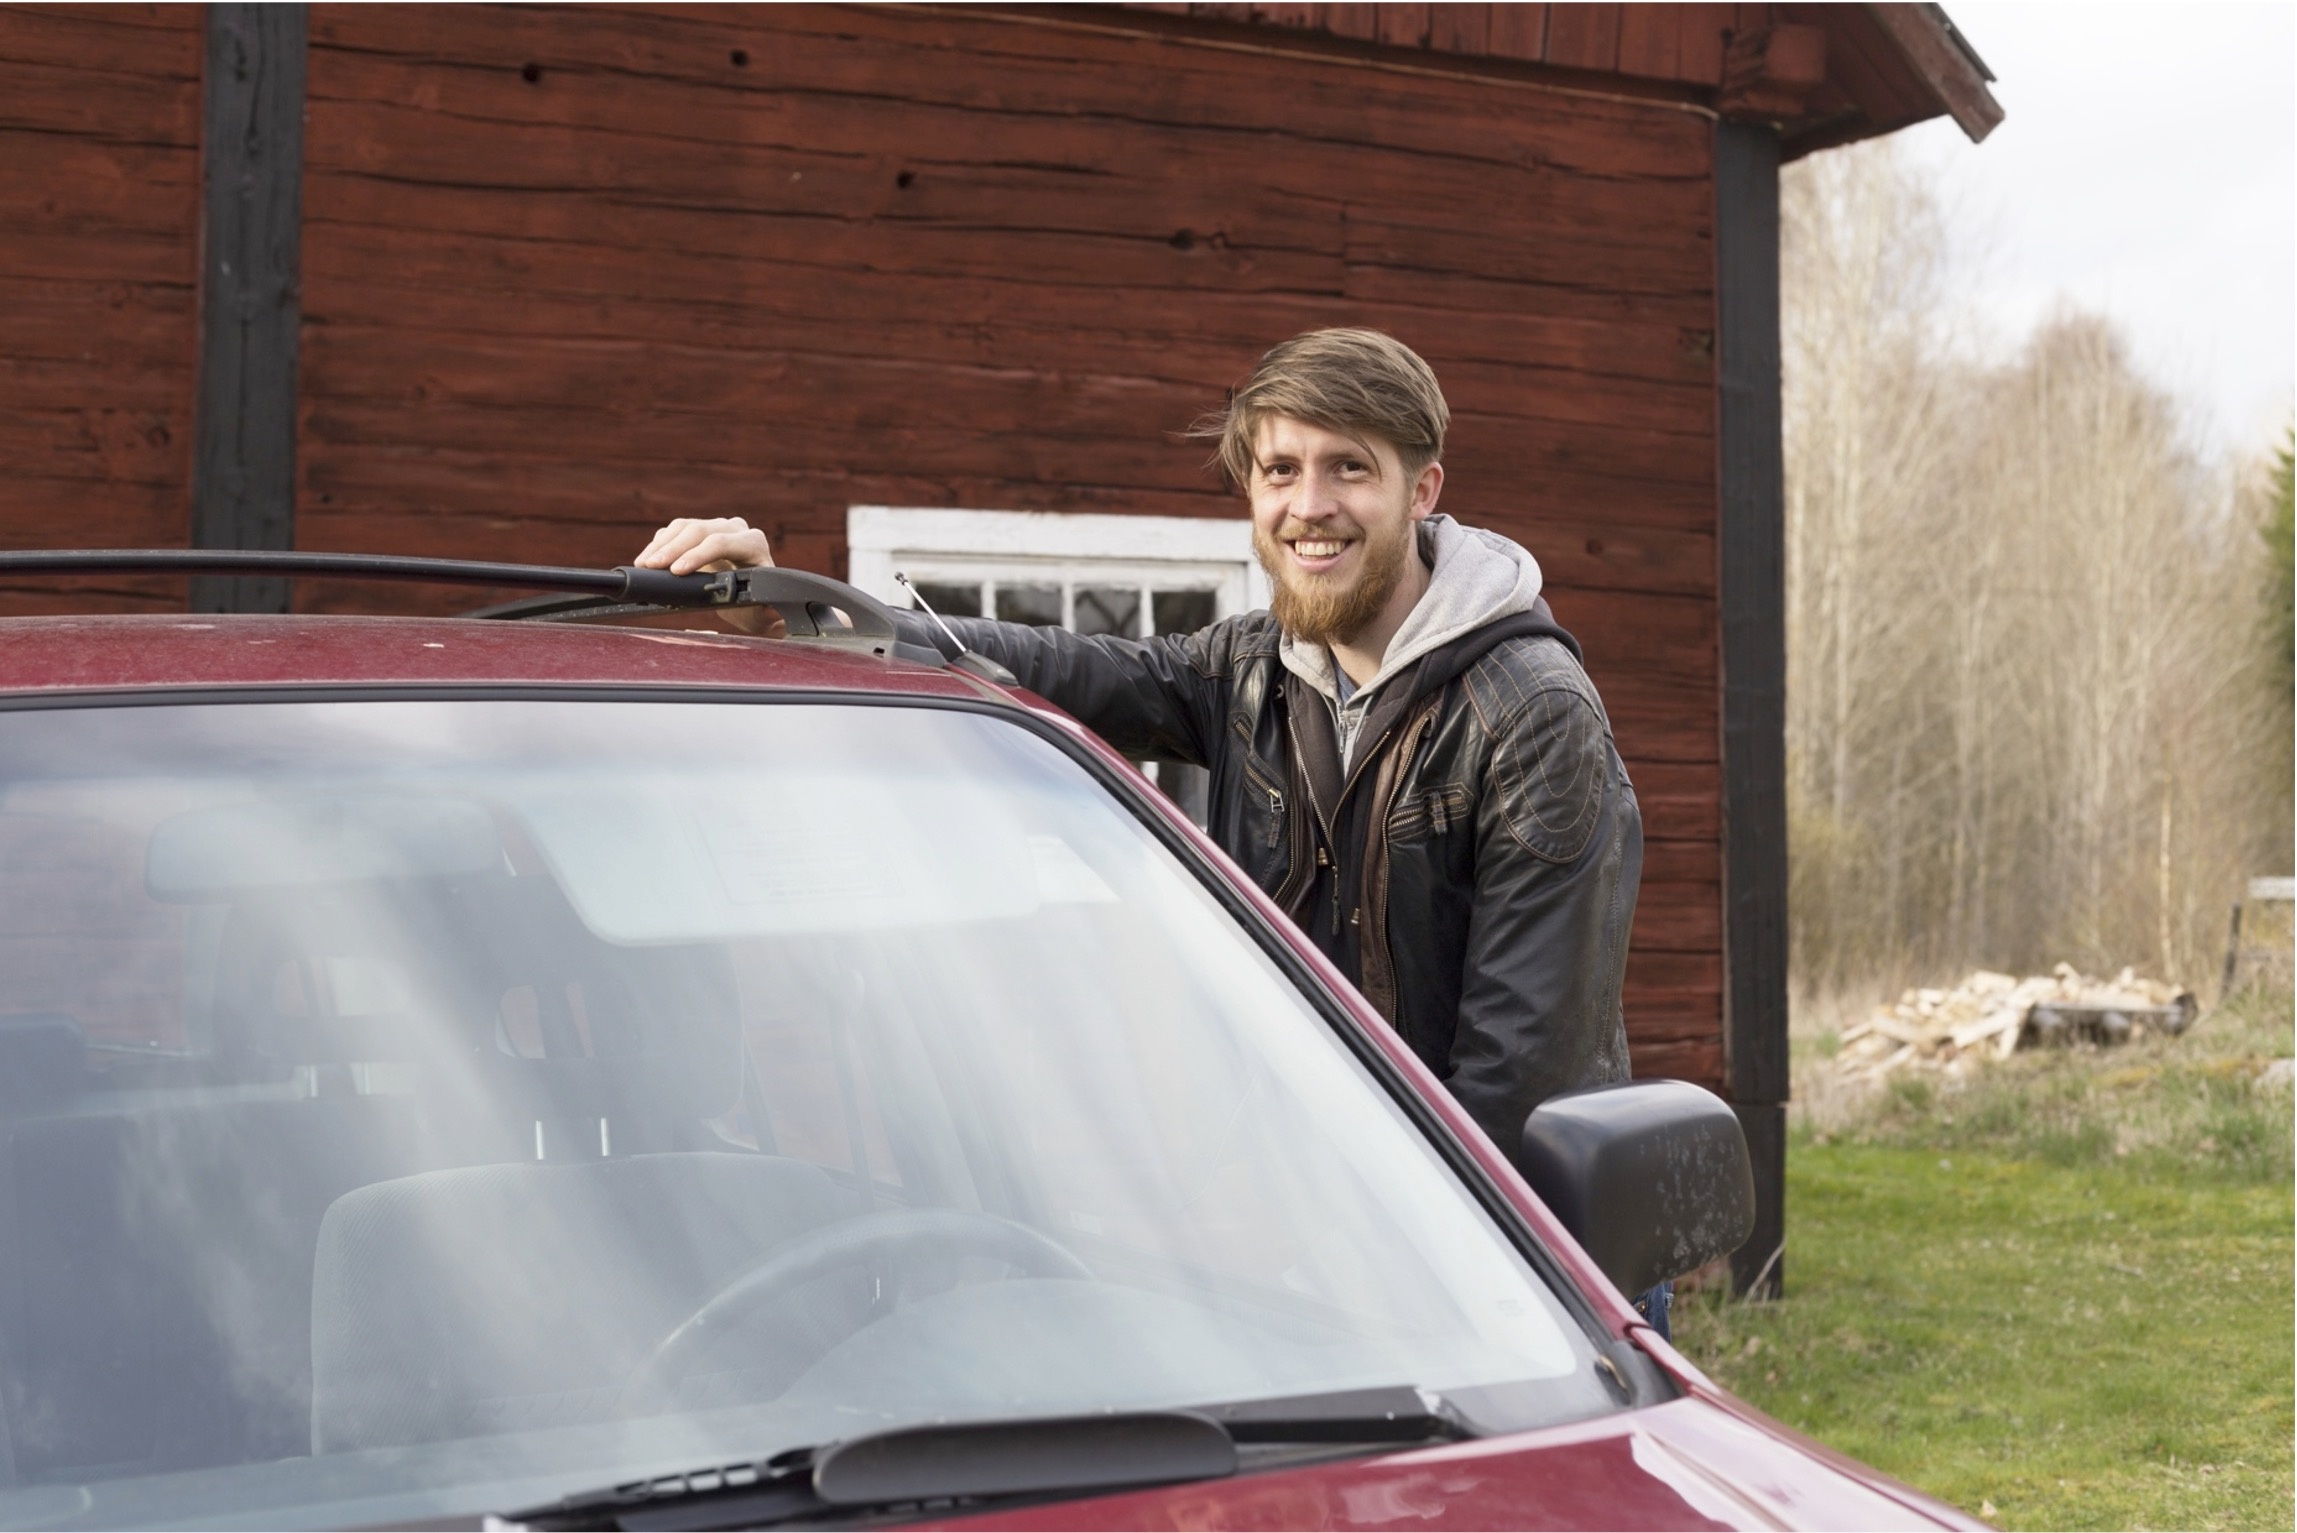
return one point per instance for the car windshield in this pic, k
(420, 1107)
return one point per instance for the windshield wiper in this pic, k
(948, 1462)
(1392, 1414)
(972, 1462)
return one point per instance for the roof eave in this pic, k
(1934, 48)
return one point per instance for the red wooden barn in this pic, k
(525, 281)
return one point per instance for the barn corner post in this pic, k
(250, 308)
(1752, 546)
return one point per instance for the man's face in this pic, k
(1332, 522)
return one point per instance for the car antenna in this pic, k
(979, 664)
(918, 597)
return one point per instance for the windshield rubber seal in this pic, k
(1336, 1014)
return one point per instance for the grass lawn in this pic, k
(2059, 1296)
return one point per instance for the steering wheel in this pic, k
(902, 1234)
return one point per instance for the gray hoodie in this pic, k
(1475, 577)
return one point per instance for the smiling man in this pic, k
(1404, 750)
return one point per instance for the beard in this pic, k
(1324, 609)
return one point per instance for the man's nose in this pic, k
(1319, 497)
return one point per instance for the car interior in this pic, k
(353, 1123)
(333, 1163)
(433, 1161)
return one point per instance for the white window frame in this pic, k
(1068, 549)
(942, 546)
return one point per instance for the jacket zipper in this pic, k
(1258, 780)
(1318, 833)
(1376, 943)
(1275, 805)
(1298, 872)
(1325, 861)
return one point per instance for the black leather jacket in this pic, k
(1474, 873)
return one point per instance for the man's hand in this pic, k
(692, 544)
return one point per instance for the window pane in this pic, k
(1040, 605)
(1109, 609)
(1182, 611)
(951, 600)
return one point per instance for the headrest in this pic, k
(659, 1029)
(663, 1023)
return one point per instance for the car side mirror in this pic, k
(1652, 1178)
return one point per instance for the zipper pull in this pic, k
(1436, 813)
(1275, 819)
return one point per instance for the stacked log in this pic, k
(1991, 1015)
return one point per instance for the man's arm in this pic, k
(1147, 697)
(1161, 697)
(1559, 853)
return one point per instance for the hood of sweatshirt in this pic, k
(1475, 578)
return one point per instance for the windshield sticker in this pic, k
(762, 858)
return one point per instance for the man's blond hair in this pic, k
(1360, 383)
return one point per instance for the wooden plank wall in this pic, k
(1874, 87)
(1681, 43)
(99, 222)
(569, 273)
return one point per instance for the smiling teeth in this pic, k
(1319, 549)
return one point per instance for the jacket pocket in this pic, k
(1262, 786)
(1438, 811)
(1269, 801)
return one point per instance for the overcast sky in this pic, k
(2148, 169)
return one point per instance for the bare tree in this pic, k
(2025, 696)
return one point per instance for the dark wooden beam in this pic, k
(250, 313)
(1770, 73)
(1752, 545)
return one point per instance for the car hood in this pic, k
(1689, 1463)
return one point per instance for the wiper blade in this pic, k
(970, 1462)
(1393, 1414)
(732, 1496)
(948, 1462)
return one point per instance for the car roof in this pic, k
(141, 652)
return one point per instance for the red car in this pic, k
(583, 1076)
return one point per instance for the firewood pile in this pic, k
(1992, 1016)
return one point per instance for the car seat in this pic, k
(500, 1298)
(520, 1293)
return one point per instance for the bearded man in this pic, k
(1404, 750)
